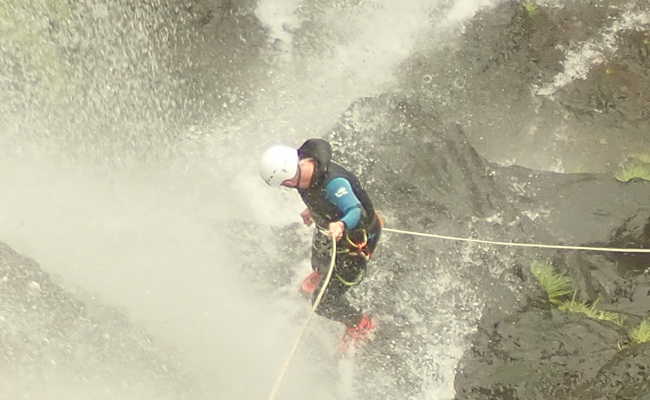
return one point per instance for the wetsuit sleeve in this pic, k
(339, 192)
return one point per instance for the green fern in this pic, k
(555, 284)
(591, 311)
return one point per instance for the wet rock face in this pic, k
(567, 78)
(52, 341)
(422, 176)
(523, 357)
(522, 350)
(427, 177)
(624, 377)
(138, 72)
(616, 92)
(570, 80)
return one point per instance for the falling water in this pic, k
(130, 133)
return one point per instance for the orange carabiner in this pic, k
(360, 248)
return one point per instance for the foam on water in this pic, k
(582, 58)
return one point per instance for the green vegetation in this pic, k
(591, 311)
(530, 7)
(558, 285)
(555, 284)
(641, 334)
(635, 166)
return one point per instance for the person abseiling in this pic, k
(338, 204)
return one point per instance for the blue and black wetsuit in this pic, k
(335, 194)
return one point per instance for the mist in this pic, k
(109, 193)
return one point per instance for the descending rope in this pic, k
(285, 366)
(512, 244)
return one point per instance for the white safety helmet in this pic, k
(278, 164)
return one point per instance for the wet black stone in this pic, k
(524, 348)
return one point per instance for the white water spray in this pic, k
(155, 238)
(581, 60)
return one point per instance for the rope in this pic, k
(285, 366)
(513, 244)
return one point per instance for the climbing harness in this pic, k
(351, 283)
(360, 248)
(357, 249)
(362, 245)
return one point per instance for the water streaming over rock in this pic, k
(131, 130)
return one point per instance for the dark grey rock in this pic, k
(432, 180)
(495, 79)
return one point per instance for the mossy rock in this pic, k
(635, 167)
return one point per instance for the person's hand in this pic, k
(306, 217)
(336, 229)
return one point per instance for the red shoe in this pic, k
(310, 283)
(359, 334)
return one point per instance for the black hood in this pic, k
(321, 151)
